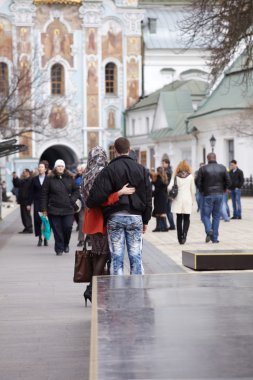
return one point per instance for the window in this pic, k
(152, 24)
(204, 155)
(147, 124)
(111, 152)
(231, 150)
(111, 78)
(152, 158)
(143, 158)
(4, 83)
(133, 127)
(57, 80)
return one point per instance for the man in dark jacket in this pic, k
(212, 181)
(24, 199)
(169, 172)
(237, 180)
(36, 196)
(128, 218)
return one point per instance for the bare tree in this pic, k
(22, 108)
(225, 27)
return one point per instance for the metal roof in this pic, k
(231, 93)
(168, 34)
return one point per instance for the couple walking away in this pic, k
(122, 191)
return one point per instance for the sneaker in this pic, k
(209, 236)
(58, 253)
(172, 228)
(66, 249)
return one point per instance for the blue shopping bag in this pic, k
(45, 228)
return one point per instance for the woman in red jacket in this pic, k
(93, 218)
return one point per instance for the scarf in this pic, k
(97, 161)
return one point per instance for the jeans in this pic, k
(211, 207)
(225, 213)
(62, 228)
(121, 230)
(199, 199)
(169, 214)
(236, 201)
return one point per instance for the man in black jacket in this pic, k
(169, 172)
(24, 199)
(237, 179)
(212, 181)
(128, 218)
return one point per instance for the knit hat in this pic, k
(59, 163)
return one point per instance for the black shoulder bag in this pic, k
(174, 190)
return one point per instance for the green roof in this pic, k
(196, 88)
(231, 93)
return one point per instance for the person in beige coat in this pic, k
(182, 204)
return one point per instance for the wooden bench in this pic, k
(218, 260)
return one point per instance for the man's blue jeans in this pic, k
(212, 208)
(236, 201)
(225, 212)
(121, 230)
(169, 214)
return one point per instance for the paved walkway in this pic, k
(237, 234)
(45, 327)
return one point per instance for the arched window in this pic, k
(4, 82)
(57, 80)
(111, 78)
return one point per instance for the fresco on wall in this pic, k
(5, 39)
(25, 76)
(23, 40)
(112, 40)
(92, 107)
(91, 41)
(132, 81)
(133, 46)
(26, 139)
(92, 78)
(111, 122)
(58, 117)
(57, 41)
(93, 140)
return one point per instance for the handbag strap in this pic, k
(175, 180)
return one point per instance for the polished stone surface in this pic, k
(233, 259)
(176, 326)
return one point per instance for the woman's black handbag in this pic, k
(174, 190)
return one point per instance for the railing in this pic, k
(247, 188)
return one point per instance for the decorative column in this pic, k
(23, 12)
(91, 13)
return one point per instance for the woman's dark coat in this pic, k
(160, 196)
(59, 193)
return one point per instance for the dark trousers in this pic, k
(169, 214)
(62, 228)
(26, 218)
(36, 220)
(183, 224)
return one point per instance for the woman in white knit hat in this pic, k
(59, 195)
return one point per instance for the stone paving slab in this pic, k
(45, 328)
(236, 234)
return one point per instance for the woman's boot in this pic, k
(158, 225)
(39, 242)
(164, 224)
(88, 294)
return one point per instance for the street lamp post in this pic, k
(212, 142)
